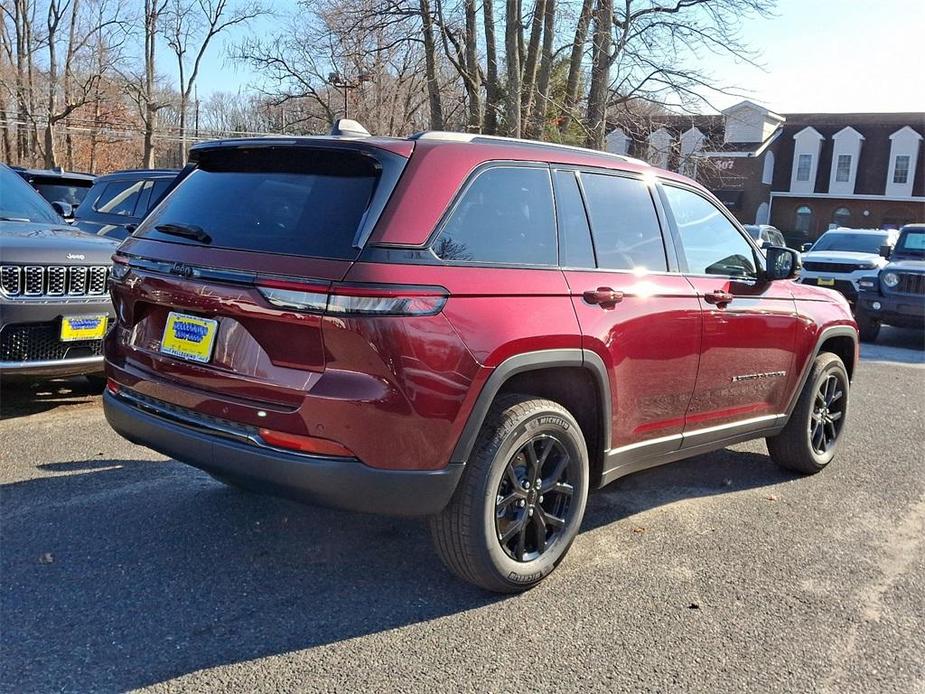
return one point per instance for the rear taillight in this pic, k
(302, 296)
(342, 299)
(120, 267)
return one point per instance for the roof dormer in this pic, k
(659, 148)
(691, 142)
(904, 155)
(846, 152)
(806, 147)
(617, 142)
(749, 122)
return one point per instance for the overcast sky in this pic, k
(819, 56)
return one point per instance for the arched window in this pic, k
(767, 175)
(804, 218)
(762, 214)
(841, 217)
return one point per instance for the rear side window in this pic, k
(506, 215)
(119, 197)
(157, 190)
(575, 249)
(625, 226)
(294, 202)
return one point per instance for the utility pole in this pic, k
(339, 82)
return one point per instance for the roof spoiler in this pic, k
(348, 128)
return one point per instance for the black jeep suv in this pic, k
(54, 300)
(897, 295)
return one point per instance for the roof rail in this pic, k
(349, 128)
(448, 136)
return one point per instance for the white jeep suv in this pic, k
(841, 257)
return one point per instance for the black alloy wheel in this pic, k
(827, 417)
(534, 498)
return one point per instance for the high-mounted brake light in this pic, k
(342, 299)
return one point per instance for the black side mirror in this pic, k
(783, 263)
(886, 251)
(65, 209)
(805, 247)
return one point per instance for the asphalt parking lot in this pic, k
(122, 570)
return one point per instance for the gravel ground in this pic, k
(122, 570)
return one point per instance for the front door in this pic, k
(749, 324)
(641, 319)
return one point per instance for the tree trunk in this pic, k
(7, 140)
(68, 83)
(512, 41)
(538, 126)
(492, 96)
(473, 84)
(532, 60)
(51, 159)
(183, 107)
(430, 67)
(94, 132)
(574, 66)
(596, 121)
(150, 109)
(20, 21)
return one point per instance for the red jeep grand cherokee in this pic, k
(473, 329)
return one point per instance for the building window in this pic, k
(804, 218)
(804, 164)
(767, 174)
(841, 217)
(901, 170)
(843, 168)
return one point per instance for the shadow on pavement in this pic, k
(20, 398)
(122, 573)
(899, 345)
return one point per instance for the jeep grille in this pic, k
(53, 280)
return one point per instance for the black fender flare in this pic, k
(824, 334)
(533, 361)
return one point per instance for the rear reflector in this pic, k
(112, 386)
(353, 299)
(304, 444)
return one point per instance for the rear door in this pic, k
(749, 325)
(641, 317)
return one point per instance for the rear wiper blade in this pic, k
(190, 231)
(15, 219)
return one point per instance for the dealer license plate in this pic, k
(74, 328)
(189, 337)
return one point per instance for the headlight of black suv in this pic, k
(889, 279)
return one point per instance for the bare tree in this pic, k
(190, 27)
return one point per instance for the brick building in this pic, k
(803, 172)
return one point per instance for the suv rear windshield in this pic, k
(292, 201)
